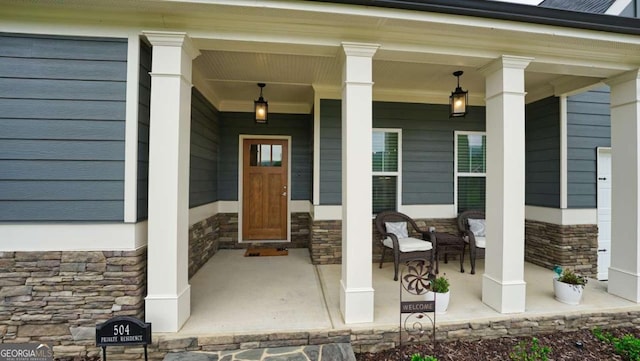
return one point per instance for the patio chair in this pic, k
(393, 229)
(471, 225)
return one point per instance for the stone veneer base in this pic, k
(570, 246)
(367, 339)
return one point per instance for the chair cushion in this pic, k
(477, 227)
(481, 242)
(397, 228)
(409, 244)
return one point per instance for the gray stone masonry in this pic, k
(361, 339)
(326, 239)
(300, 232)
(59, 297)
(573, 246)
(204, 241)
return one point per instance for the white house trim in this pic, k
(316, 145)
(131, 130)
(430, 210)
(618, 7)
(73, 237)
(563, 217)
(563, 152)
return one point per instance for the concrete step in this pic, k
(327, 352)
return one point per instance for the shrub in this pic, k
(530, 351)
(628, 346)
(418, 357)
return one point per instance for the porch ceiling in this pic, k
(295, 45)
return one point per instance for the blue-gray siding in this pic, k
(298, 126)
(144, 114)
(427, 148)
(588, 127)
(62, 122)
(542, 146)
(203, 174)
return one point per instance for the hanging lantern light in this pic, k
(459, 99)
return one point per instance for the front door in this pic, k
(265, 189)
(604, 212)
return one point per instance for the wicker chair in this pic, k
(404, 248)
(476, 243)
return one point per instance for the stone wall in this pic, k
(572, 246)
(376, 339)
(204, 240)
(300, 232)
(59, 297)
(326, 239)
(326, 242)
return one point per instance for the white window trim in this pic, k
(398, 173)
(457, 174)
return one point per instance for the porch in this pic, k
(240, 302)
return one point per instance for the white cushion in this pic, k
(476, 226)
(481, 242)
(397, 228)
(409, 244)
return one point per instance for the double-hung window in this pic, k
(471, 170)
(386, 169)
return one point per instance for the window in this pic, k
(386, 169)
(471, 170)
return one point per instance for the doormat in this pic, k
(265, 252)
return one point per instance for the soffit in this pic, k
(294, 45)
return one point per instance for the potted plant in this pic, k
(568, 286)
(440, 293)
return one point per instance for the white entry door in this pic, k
(604, 212)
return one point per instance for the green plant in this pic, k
(418, 357)
(628, 346)
(440, 285)
(530, 351)
(570, 277)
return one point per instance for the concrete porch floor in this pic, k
(233, 294)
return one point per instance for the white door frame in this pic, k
(241, 139)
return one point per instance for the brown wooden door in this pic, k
(265, 189)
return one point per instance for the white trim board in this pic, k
(131, 130)
(334, 212)
(73, 237)
(564, 217)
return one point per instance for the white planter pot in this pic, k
(567, 293)
(442, 300)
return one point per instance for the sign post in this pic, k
(123, 331)
(416, 281)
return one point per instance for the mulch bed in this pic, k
(563, 348)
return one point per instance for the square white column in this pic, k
(168, 301)
(356, 292)
(624, 272)
(503, 286)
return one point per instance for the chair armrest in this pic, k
(394, 240)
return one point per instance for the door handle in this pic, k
(602, 250)
(284, 194)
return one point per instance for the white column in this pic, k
(356, 292)
(503, 286)
(168, 301)
(624, 273)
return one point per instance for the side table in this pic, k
(447, 243)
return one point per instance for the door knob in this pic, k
(284, 194)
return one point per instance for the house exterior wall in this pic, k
(542, 158)
(144, 114)
(63, 121)
(298, 126)
(588, 127)
(203, 175)
(427, 148)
